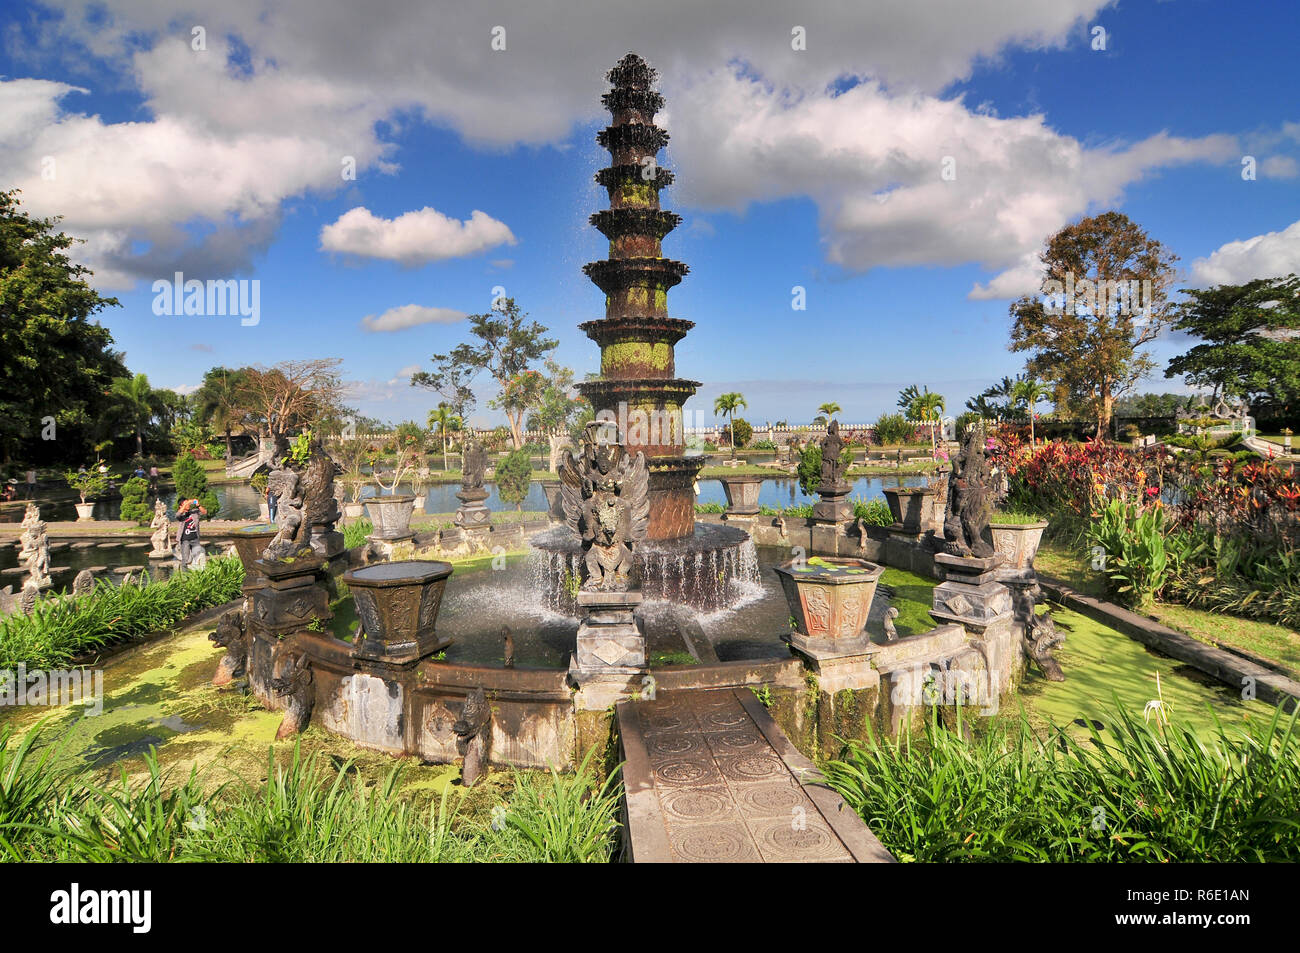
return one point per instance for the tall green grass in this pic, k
(356, 531)
(309, 810)
(1140, 792)
(62, 627)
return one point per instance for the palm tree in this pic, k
(830, 409)
(1028, 393)
(927, 407)
(444, 419)
(729, 404)
(135, 398)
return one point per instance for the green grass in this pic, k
(913, 598)
(1014, 517)
(1138, 792)
(1266, 640)
(62, 627)
(306, 809)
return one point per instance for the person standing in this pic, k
(190, 552)
(153, 480)
(31, 484)
(272, 504)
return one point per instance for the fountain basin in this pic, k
(713, 568)
(398, 604)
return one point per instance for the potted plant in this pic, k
(390, 514)
(1016, 537)
(87, 483)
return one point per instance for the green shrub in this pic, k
(763, 444)
(1132, 544)
(873, 512)
(710, 507)
(134, 508)
(1139, 792)
(514, 475)
(192, 484)
(892, 428)
(87, 483)
(810, 468)
(62, 627)
(744, 431)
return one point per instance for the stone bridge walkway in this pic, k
(709, 777)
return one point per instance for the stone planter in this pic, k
(829, 599)
(354, 511)
(397, 604)
(912, 508)
(418, 506)
(554, 500)
(264, 511)
(1017, 542)
(742, 494)
(249, 541)
(85, 511)
(391, 516)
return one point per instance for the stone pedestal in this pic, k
(971, 595)
(834, 505)
(293, 596)
(609, 660)
(473, 516)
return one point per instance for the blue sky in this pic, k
(816, 168)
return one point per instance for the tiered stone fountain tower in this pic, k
(637, 369)
(702, 565)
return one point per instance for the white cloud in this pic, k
(415, 238)
(410, 316)
(1264, 256)
(1279, 167)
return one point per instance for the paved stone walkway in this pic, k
(711, 778)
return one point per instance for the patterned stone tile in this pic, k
(780, 840)
(729, 843)
(769, 799)
(683, 772)
(697, 805)
(736, 741)
(676, 744)
(752, 768)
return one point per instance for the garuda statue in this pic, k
(294, 534)
(969, 495)
(606, 496)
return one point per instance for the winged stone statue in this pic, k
(606, 497)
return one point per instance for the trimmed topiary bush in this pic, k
(134, 508)
(892, 429)
(192, 484)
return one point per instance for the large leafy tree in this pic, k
(57, 361)
(292, 396)
(507, 346)
(1250, 341)
(220, 402)
(1090, 347)
(136, 403)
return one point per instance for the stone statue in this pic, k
(317, 482)
(83, 584)
(1041, 636)
(508, 646)
(606, 495)
(31, 595)
(473, 732)
(833, 467)
(969, 493)
(162, 529)
(891, 633)
(473, 465)
(290, 519)
(294, 684)
(35, 553)
(231, 635)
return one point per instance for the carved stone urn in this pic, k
(397, 604)
(85, 511)
(829, 599)
(1017, 543)
(391, 516)
(912, 508)
(742, 494)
